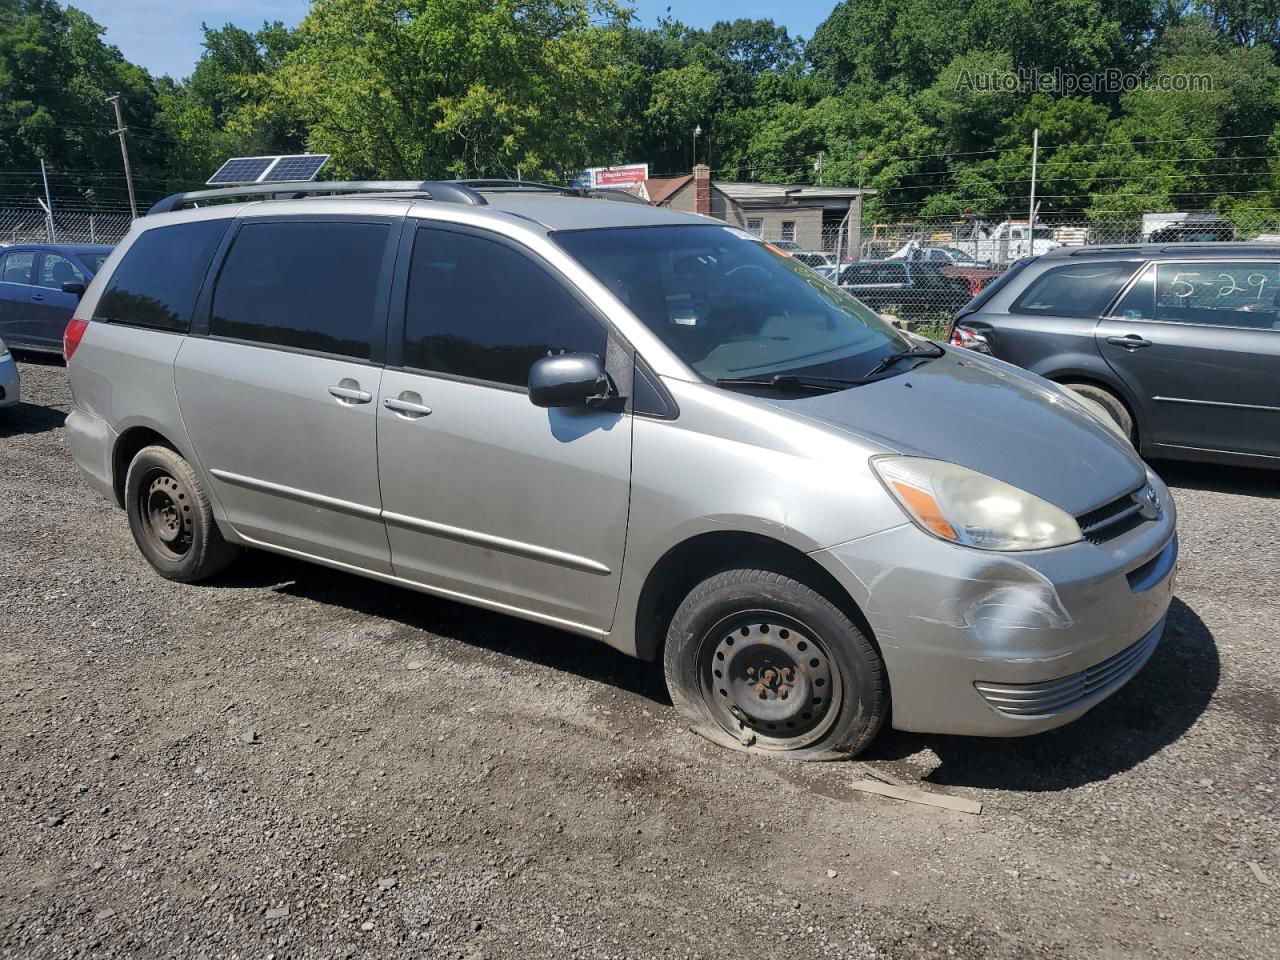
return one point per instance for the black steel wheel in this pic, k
(171, 518)
(768, 673)
(167, 512)
(759, 660)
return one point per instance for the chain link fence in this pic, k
(32, 225)
(921, 272)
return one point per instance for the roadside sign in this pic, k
(628, 175)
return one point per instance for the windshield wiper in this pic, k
(790, 381)
(889, 359)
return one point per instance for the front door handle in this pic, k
(37, 296)
(408, 405)
(1130, 342)
(348, 391)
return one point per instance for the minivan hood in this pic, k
(991, 417)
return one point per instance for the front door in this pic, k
(486, 496)
(279, 396)
(1199, 344)
(51, 307)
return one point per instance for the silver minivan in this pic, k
(640, 426)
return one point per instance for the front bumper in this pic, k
(10, 384)
(988, 644)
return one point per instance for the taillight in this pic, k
(969, 338)
(72, 336)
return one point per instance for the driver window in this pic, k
(480, 309)
(57, 270)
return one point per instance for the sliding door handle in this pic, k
(348, 391)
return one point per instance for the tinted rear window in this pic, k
(1075, 290)
(305, 284)
(157, 282)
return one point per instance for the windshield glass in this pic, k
(731, 306)
(94, 261)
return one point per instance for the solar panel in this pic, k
(287, 169)
(297, 168)
(241, 170)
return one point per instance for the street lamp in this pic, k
(697, 132)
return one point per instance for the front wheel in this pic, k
(761, 661)
(171, 518)
(1109, 402)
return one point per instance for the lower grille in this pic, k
(1067, 693)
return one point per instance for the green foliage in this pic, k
(433, 88)
(55, 76)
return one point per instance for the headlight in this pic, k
(963, 506)
(1095, 409)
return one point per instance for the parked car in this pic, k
(940, 256)
(1181, 344)
(10, 383)
(910, 290)
(817, 259)
(633, 425)
(40, 285)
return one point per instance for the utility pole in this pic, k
(1031, 211)
(48, 205)
(124, 153)
(817, 165)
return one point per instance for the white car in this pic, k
(10, 386)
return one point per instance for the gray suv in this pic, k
(630, 424)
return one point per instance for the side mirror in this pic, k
(73, 286)
(569, 380)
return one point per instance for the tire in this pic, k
(171, 519)
(1111, 403)
(762, 662)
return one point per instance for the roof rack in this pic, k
(441, 190)
(594, 193)
(1206, 246)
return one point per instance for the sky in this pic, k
(164, 35)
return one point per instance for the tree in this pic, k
(228, 107)
(55, 76)
(434, 88)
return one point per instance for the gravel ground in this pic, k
(291, 762)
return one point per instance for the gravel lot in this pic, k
(291, 762)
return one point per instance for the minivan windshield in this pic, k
(731, 306)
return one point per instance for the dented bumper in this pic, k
(991, 644)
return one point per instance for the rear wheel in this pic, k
(1111, 403)
(759, 660)
(171, 519)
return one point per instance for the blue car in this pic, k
(40, 286)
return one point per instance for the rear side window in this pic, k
(303, 284)
(1075, 290)
(1222, 294)
(17, 267)
(480, 309)
(157, 282)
